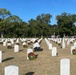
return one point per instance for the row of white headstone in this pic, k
(72, 47)
(10, 41)
(60, 39)
(64, 68)
(54, 49)
(17, 40)
(63, 41)
(48, 44)
(69, 40)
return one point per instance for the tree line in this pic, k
(14, 26)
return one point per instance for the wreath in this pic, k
(31, 56)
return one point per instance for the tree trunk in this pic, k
(2, 35)
(35, 35)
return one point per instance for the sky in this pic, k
(30, 9)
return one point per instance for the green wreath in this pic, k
(31, 56)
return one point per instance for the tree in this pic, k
(15, 24)
(44, 18)
(44, 21)
(33, 25)
(65, 23)
(3, 15)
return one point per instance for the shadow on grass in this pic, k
(10, 47)
(3, 51)
(36, 55)
(7, 59)
(29, 73)
(20, 50)
(25, 46)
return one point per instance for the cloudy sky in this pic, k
(28, 9)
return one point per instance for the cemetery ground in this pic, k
(45, 64)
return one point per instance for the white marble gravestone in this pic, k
(68, 41)
(75, 44)
(0, 56)
(12, 41)
(54, 51)
(28, 41)
(58, 41)
(72, 47)
(24, 43)
(11, 70)
(63, 43)
(50, 46)
(4, 43)
(17, 41)
(65, 66)
(9, 44)
(28, 51)
(16, 48)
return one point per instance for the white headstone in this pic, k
(54, 51)
(17, 41)
(65, 66)
(24, 43)
(12, 41)
(16, 48)
(28, 41)
(4, 44)
(71, 40)
(68, 41)
(28, 51)
(50, 46)
(0, 56)
(63, 44)
(11, 70)
(9, 44)
(72, 47)
(75, 44)
(59, 41)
